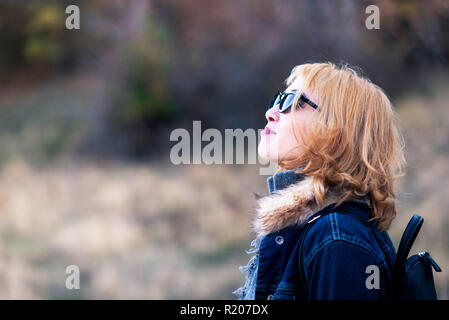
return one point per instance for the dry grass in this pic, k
(135, 231)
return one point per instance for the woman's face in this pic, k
(278, 141)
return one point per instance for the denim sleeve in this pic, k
(338, 271)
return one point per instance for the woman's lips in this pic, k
(267, 131)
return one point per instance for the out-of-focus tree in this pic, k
(169, 62)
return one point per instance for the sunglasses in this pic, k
(285, 101)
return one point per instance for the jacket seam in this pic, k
(382, 245)
(321, 246)
(335, 236)
(334, 226)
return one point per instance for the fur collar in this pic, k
(292, 205)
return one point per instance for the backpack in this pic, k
(412, 277)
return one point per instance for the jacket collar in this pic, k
(283, 179)
(291, 201)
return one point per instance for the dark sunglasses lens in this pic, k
(274, 101)
(288, 101)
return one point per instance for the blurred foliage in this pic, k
(146, 96)
(34, 38)
(44, 31)
(169, 62)
(144, 100)
(44, 126)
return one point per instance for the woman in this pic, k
(321, 231)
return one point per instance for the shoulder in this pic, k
(340, 232)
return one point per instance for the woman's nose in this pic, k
(272, 114)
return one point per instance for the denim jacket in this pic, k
(343, 257)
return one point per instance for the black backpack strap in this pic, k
(407, 240)
(409, 236)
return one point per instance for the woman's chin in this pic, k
(262, 152)
(266, 153)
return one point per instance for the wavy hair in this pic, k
(354, 143)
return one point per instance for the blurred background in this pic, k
(86, 115)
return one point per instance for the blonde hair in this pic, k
(354, 142)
